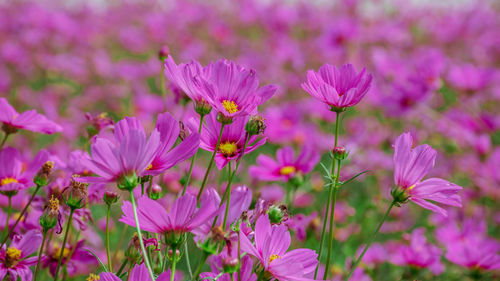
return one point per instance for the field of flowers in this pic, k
(249, 140)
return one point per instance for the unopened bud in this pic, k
(110, 197)
(163, 53)
(42, 177)
(224, 119)
(172, 257)
(276, 214)
(339, 153)
(202, 107)
(255, 125)
(77, 194)
(230, 265)
(155, 192)
(50, 216)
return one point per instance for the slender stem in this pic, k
(150, 186)
(4, 140)
(330, 196)
(203, 259)
(174, 263)
(142, 188)
(120, 241)
(160, 256)
(228, 196)
(186, 253)
(122, 267)
(110, 266)
(9, 210)
(193, 159)
(20, 216)
(37, 268)
(372, 238)
(164, 265)
(210, 164)
(139, 236)
(162, 82)
(239, 258)
(61, 254)
(332, 217)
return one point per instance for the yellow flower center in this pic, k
(230, 106)
(149, 167)
(273, 257)
(57, 253)
(12, 256)
(287, 170)
(53, 204)
(228, 148)
(411, 187)
(93, 277)
(6, 181)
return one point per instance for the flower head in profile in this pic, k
(183, 216)
(15, 260)
(232, 139)
(14, 175)
(233, 89)
(29, 120)
(410, 166)
(138, 273)
(270, 248)
(285, 166)
(338, 87)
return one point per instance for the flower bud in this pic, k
(172, 257)
(297, 180)
(110, 197)
(255, 125)
(276, 214)
(42, 177)
(155, 192)
(230, 265)
(224, 119)
(50, 216)
(211, 244)
(339, 153)
(128, 182)
(163, 53)
(77, 194)
(202, 107)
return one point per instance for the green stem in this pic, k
(332, 217)
(193, 159)
(210, 164)
(6, 229)
(120, 270)
(239, 258)
(139, 236)
(228, 196)
(37, 268)
(174, 263)
(330, 196)
(4, 140)
(372, 238)
(110, 266)
(20, 216)
(203, 259)
(186, 253)
(61, 254)
(160, 256)
(162, 82)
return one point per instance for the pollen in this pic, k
(6, 181)
(93, 277)
(273, 257)
(411, 187)
(13, 253)
(53, 204)
(230, 106)
(149, 167)
(228, 148)
(287, 170)
(57, 253)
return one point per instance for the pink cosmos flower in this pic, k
(13, 173)
(419, 253)
(338, 87)
(232, 140)
(29, 120)
(183, 215)
(76, 258)
(411, 165)
(286, 166)
(234, 90)
(271, 245)
(216, 267)
(139, 273)
(15, 260)
(129, 152)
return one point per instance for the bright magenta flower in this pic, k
(138, 273)
(411, 165)
(29, 120)
(13, 173)
(15, 260)
(338, 87)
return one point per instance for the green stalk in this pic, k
(110, 266)
(330, 196)
(203, 259)
(332, 216)
(193, 159)
(174, 262)
(186, 253)
(162, 82)
(61, 254)
(9, 210)
(4, 140)
(210, 164)
(372, 238)
(20, 216)
(139, 236)
(228, 197)
(44, 237)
